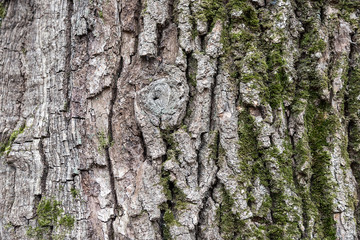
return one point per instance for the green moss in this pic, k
(321, 124)
(249, 13)
(164, 181)
(166, 233)
(278, 84)
(176, 199)
(50, 216)
(253, 69)
(239, 42)
(172, 192)
(143, 11)
(66, 106)
(176, 203)
(284, 161)
(192, 80)
(191, 72)
(312, 151)
(303, 156)
(2, 12)
(74, 192)
(256, 61)
(169, 217)
(348, 5)
(353, 112)
(172, 146)
(104, 140)
(255, 164)
(168, 221)
(194, 31)
(248, 150)
(273, 77)
(229, 222)
(67, 221)
(283, 226)
(184, 127)
(5, 147)
(9, 226)
(101, 15)
(354, 126)
(283, 205)
(212, 10)
(242, 37)
(311, 42)
(276, 89)
(214, 148)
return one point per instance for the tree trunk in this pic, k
(187, 119)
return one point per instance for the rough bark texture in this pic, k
(186, 119)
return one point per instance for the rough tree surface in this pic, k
(186, 119)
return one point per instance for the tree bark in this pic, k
(187, 119)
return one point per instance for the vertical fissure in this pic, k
(190, 75)
(215, 148)
(351, 121)
(45, 172)
(45, 166)
(66, 84)
(315, 199)
(114, 90)
(12, 200)
(213, 98)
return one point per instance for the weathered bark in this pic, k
(188, 119)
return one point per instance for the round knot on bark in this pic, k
(163, 102)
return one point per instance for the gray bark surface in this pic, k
(186, 119)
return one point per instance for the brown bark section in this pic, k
(180, 119)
